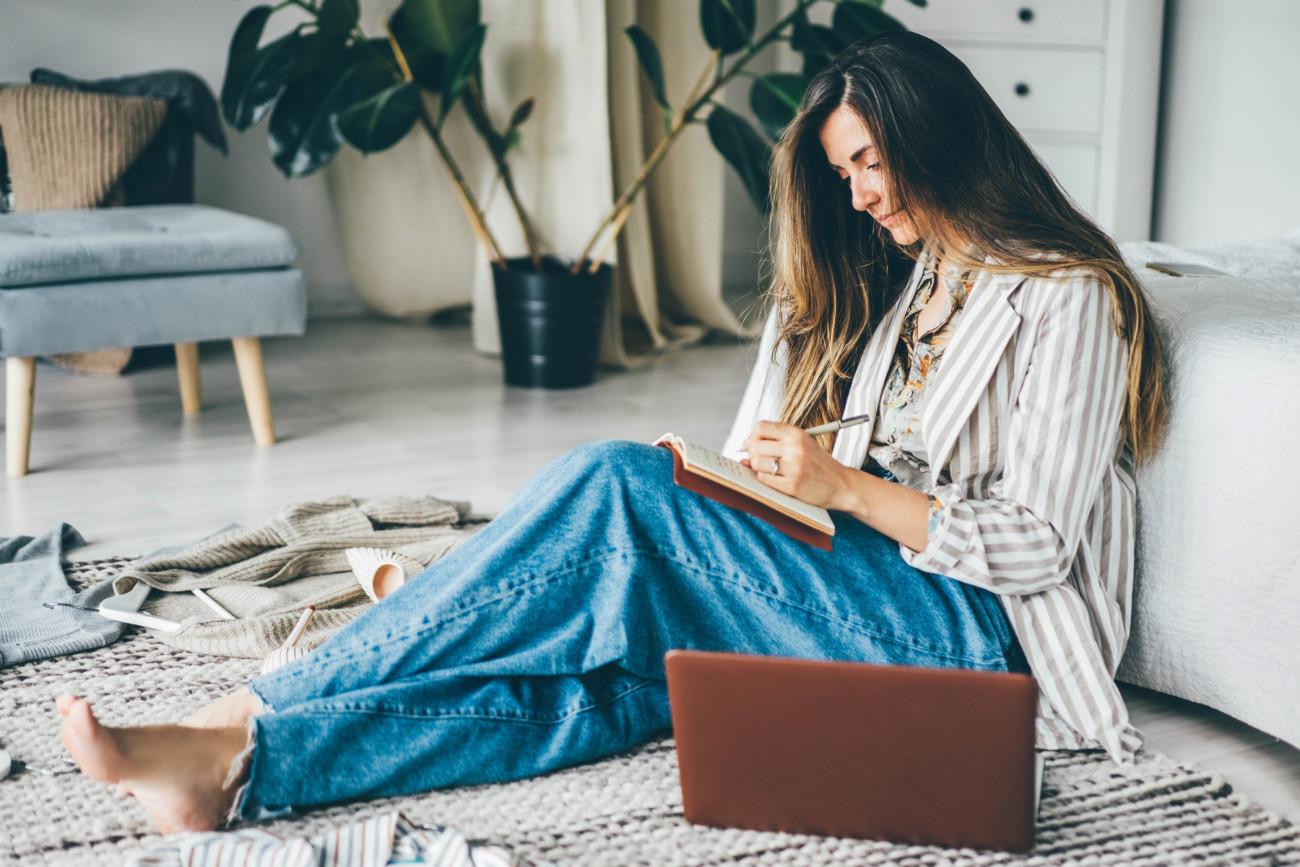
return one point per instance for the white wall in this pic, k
(108, 38)
(1226, 162)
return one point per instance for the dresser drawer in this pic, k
(1075, 166)
(1052, 89)
(1072, 22)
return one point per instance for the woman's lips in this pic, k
(888, 218)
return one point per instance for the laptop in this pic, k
(932, 756)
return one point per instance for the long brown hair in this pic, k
(953, 160)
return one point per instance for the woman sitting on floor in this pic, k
(928, 271)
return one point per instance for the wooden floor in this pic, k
(372, 408)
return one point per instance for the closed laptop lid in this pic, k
(917, 755)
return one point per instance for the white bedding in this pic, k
(1217, 601)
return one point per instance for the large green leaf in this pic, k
(428, 67)
(304, 134)
(728, 25)
(775, 98)
(338, 16)
(248, 32)
(653, 66)
(742, 146)
(809, 38)
(377, 49)
(854, 20)
(647, 54)
(255, 76)
(319, 52)
(428, 31)
(382, 120)
(460, 65)
(437, 24)
(817, 43)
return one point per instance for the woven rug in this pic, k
(625, 809)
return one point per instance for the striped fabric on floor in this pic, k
(388, 838)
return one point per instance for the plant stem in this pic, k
(684, 119)
(478, 114)
(472, 210)
(715, 60)
(619, 220)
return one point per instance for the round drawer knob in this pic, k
(1025, 14)
(1022, 89)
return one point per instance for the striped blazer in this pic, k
(1034, 491)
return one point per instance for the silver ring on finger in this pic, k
(776, 466)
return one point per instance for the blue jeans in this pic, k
(538, 643)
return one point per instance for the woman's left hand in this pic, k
(807, 471)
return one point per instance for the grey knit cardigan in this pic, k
(266, 575)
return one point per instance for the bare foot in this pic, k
(233, 710)
(176, 772)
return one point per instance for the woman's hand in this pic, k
(807, 471)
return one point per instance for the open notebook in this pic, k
(732, 483)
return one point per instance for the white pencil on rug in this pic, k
(289, 651)
(213, 604)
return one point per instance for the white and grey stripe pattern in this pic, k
(387, 838)
(1036, 496)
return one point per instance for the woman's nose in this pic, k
(864, 193)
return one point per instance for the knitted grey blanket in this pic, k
(43, 617)
(266, 575)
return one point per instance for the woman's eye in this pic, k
(874, 166)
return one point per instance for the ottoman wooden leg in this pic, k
(187, 368)
(20, 388)
(252, 377)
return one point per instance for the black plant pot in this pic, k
(550, 321)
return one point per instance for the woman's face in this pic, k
(852, 156)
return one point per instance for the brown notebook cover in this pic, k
(714, 491)
(912, 755)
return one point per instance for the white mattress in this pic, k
(1216, 613)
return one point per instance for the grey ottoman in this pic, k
(91, 279)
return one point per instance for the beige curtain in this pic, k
(407, 243)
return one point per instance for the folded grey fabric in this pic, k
(266, 575)
(41, 613)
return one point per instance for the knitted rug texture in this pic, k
(625, 809)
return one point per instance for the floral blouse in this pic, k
(897, 444)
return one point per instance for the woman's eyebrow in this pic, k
(853, 157)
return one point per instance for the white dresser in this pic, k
(1080, 79)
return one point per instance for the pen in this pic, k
(213, 604)
(832, 426)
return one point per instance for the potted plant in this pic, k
(326, 83)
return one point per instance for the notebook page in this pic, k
(721, 466)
